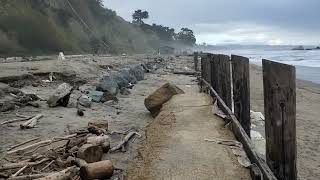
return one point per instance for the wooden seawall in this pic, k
(228, 80)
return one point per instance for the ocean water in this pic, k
(307, 62)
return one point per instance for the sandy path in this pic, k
(176, 149)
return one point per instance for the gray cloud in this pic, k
(289, 21)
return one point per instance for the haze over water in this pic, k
(307, 62)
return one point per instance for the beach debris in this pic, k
(21, 144)
(98, 127)
(155, 100)
(61, 157)
(189, 73)
(68, 173)
(257, 118)
(217, 111)
(32, 122)
(61, 56)
(258, 141)
(37, 145)
(237, 150)
(98, 140)
(61, 96)
(90, 153)
(97, 170)
(103, 141)
(225, 142)
(125, 140)
(21, 118)
(7, 106)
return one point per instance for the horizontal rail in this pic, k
(242, 136)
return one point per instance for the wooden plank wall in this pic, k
(279, 82)
(241, 91)
(223, 74)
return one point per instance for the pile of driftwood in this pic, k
(75, 156)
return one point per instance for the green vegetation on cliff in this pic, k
(84, 26)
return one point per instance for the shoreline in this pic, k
(303, 73)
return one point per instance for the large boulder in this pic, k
(127, 75)
(108, 84)
(61, 96)
(120, 79)
(155, 101)
(137, 71)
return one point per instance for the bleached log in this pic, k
(45, 142)
(16, 120)
(124, 141)
(32, 122)
(28, 177)
(66, 174)
(21, 164)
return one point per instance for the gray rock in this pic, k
(108, 84)
(120, 79)
(96, 96)
(85, 101)
(61, 96)
(130, 77)
(137, 71)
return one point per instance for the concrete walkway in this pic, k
(175, 147)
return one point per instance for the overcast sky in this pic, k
(233, 21)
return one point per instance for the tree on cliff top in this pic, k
(186, 36)
(138, 16)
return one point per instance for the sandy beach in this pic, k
(130, 112)
(308, 121)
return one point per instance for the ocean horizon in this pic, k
(307, 62)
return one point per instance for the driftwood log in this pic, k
(90, 153)
(28, 177)
(98, 170)
(23, 143)
(21, 164)
(184, 73)
(41, 143)
(66, 174)
(17, 120)
(32, 122)
(124, 141)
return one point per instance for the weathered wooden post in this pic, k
(279, 82)
(196, 61)
(224, 78)
(241, 91)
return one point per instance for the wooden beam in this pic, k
(241, 91)
(221, 77)
(279, 82)
(242, 136)
(196, 61)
